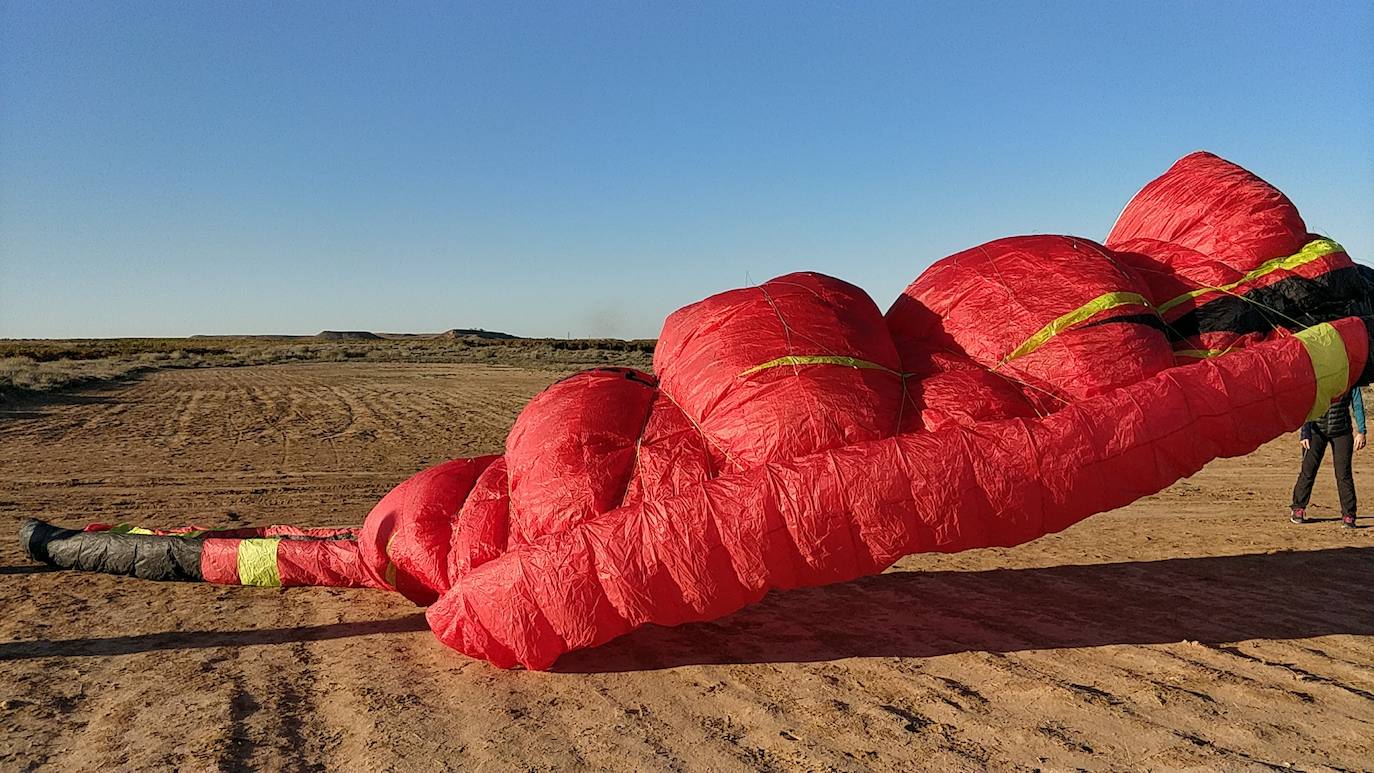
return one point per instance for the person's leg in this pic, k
(1311, 462)
(1342, 450)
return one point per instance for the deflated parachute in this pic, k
(795, 435)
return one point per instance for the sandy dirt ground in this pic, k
(1194, 630)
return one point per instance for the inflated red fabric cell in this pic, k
(572, 450)
(1175, 274)
(1180, 273)
(991, 302)
(420, 544)
(406, 538)
(1202, 293)
(1221, 248)
(1216, 208)
(853, 510)
(1171, 270)
(799, 363)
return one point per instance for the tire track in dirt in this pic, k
(332, 434)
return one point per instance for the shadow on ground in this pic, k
(1290, 595)
(34, 569)
(188, 640)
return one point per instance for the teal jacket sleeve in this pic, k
(1357, 407)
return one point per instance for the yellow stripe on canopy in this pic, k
(1313, 250)
(1101, 303)
(817, 359)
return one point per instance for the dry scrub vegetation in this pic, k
(30, 368)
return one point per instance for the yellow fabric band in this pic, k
(1330, 365)
(389, 574)
(257, 562)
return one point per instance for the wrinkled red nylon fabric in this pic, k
(571, 452)
(793, 434)
(823, 441)
(990, 302)
(846, 512)
(724, 362)
(1216, 210)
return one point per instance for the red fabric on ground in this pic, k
(336, 563)
(219, 561)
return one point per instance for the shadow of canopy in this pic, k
(190, 640)
(1288, 595)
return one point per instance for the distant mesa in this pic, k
(459, 332)
(347, 335)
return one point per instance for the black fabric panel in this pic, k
(146, 556)
(1294, 303)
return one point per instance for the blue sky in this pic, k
(555, 169)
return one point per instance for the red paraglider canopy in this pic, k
(793, 434)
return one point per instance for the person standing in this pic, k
(1335, 429)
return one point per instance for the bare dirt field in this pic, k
(1196, 629)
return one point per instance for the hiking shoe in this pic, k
(1299, 515)
(1347, 521)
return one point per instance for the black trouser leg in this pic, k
(1311, 461)
(1342, 449)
